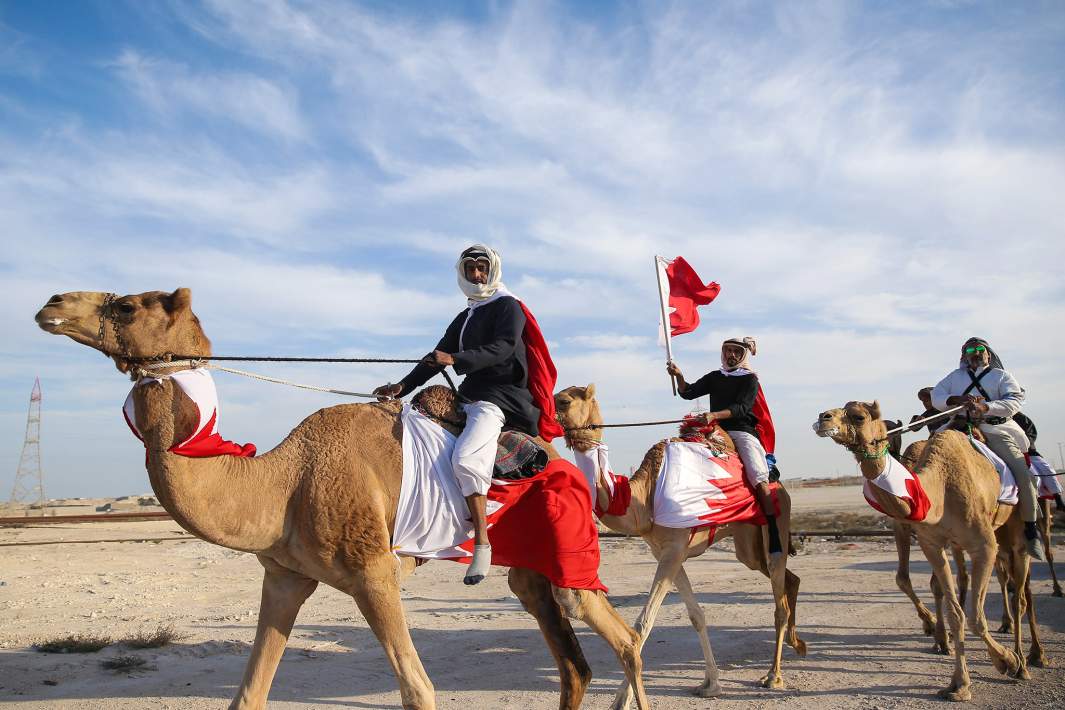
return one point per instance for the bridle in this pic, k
(108, 315)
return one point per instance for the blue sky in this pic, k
(871, 183)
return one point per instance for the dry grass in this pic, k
(123, 663)
(74, 643)
(161, 636)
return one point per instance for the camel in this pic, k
(1045, 522)
(320, 507)
(578, 410)
(963, 490)
(903, 533)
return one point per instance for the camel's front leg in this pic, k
(1036, 656)
(1002, 573)
(781, 615)
(670, 557)
(376, 592)
(983, 559)
(284, 592)
(534, 592)
(1018, 559)
(710, 687)
(963, 574)
(960, 687)
(902, 576)
(940, 637)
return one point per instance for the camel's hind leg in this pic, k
(376, 593)
(963, 574)
(791, 583)
(1045, 520)
(534, 592)
(940, 637)
(983, 559)
(593, 609)
(710, 687)
(1002, 573)
(1036, 656)
(284, 592)
(902, 576)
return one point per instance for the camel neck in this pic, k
(230, 501)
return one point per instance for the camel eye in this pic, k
(126, 308)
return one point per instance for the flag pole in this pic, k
(665, 319)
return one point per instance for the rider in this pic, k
(484, 342)
(991, 396)
(925, 395)
(1047, 485)
(733, 390)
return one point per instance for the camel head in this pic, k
(144, 326)
(856, 426)
(578, 407)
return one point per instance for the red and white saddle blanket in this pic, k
(1048, 483)
(698, 487)
(594, 462)
(198, 385)
(542, 523)
(900, 482)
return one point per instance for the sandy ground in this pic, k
(478, 646)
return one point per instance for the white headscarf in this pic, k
(744, 367)
(480, 292)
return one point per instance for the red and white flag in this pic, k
(682, 292)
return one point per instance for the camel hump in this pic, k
(440, 403)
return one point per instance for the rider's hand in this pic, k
(387, 392)
(977, 405)
(438, 358)
(672, 369)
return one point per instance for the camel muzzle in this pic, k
(823, 426)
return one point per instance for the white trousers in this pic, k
(752, 455)
(474, 456)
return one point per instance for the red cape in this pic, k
(542, 376)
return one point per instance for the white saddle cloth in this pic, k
(685, 492)
(593, 461)
(1008, 492)
(432, 518)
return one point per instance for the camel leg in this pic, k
(963, 574)
(902, 576)
(781, 615)
(983, 560)
(940, 638)
(1003, 574)
(376, 593)
(1036, 656)
(670, 558)
(710, 687)
(593, 609)
(791, 582)
(534, 592)
(1019, 575)
(284, 592)
(1047, 516)
(960, 686)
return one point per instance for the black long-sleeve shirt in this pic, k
(735, 393)
(490, 352)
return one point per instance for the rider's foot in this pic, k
(478, 569)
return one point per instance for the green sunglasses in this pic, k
(977, 349)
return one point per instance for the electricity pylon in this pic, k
(29, 479)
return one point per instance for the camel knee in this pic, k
(570, 601)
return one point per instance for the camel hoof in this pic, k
(707, 690)
(956, 695)
(1022, 673)
(772, 681)
(621, 703)
(1005, 628)
(942, 648)
(1057, 592)
(1008, 664)
(928, 626)
(800, 647)
(1038, 660)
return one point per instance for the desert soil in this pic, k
(866, 649)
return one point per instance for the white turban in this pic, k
(480, 292)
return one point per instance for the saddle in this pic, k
(518, 455)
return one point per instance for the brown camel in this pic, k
(577, 407)
(963, 489)
(320, 507)
(1045, 522)
(934, 627)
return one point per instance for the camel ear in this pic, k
(589, 391)
(180, 300)
(874, 409)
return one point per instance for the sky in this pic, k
(870, 183)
